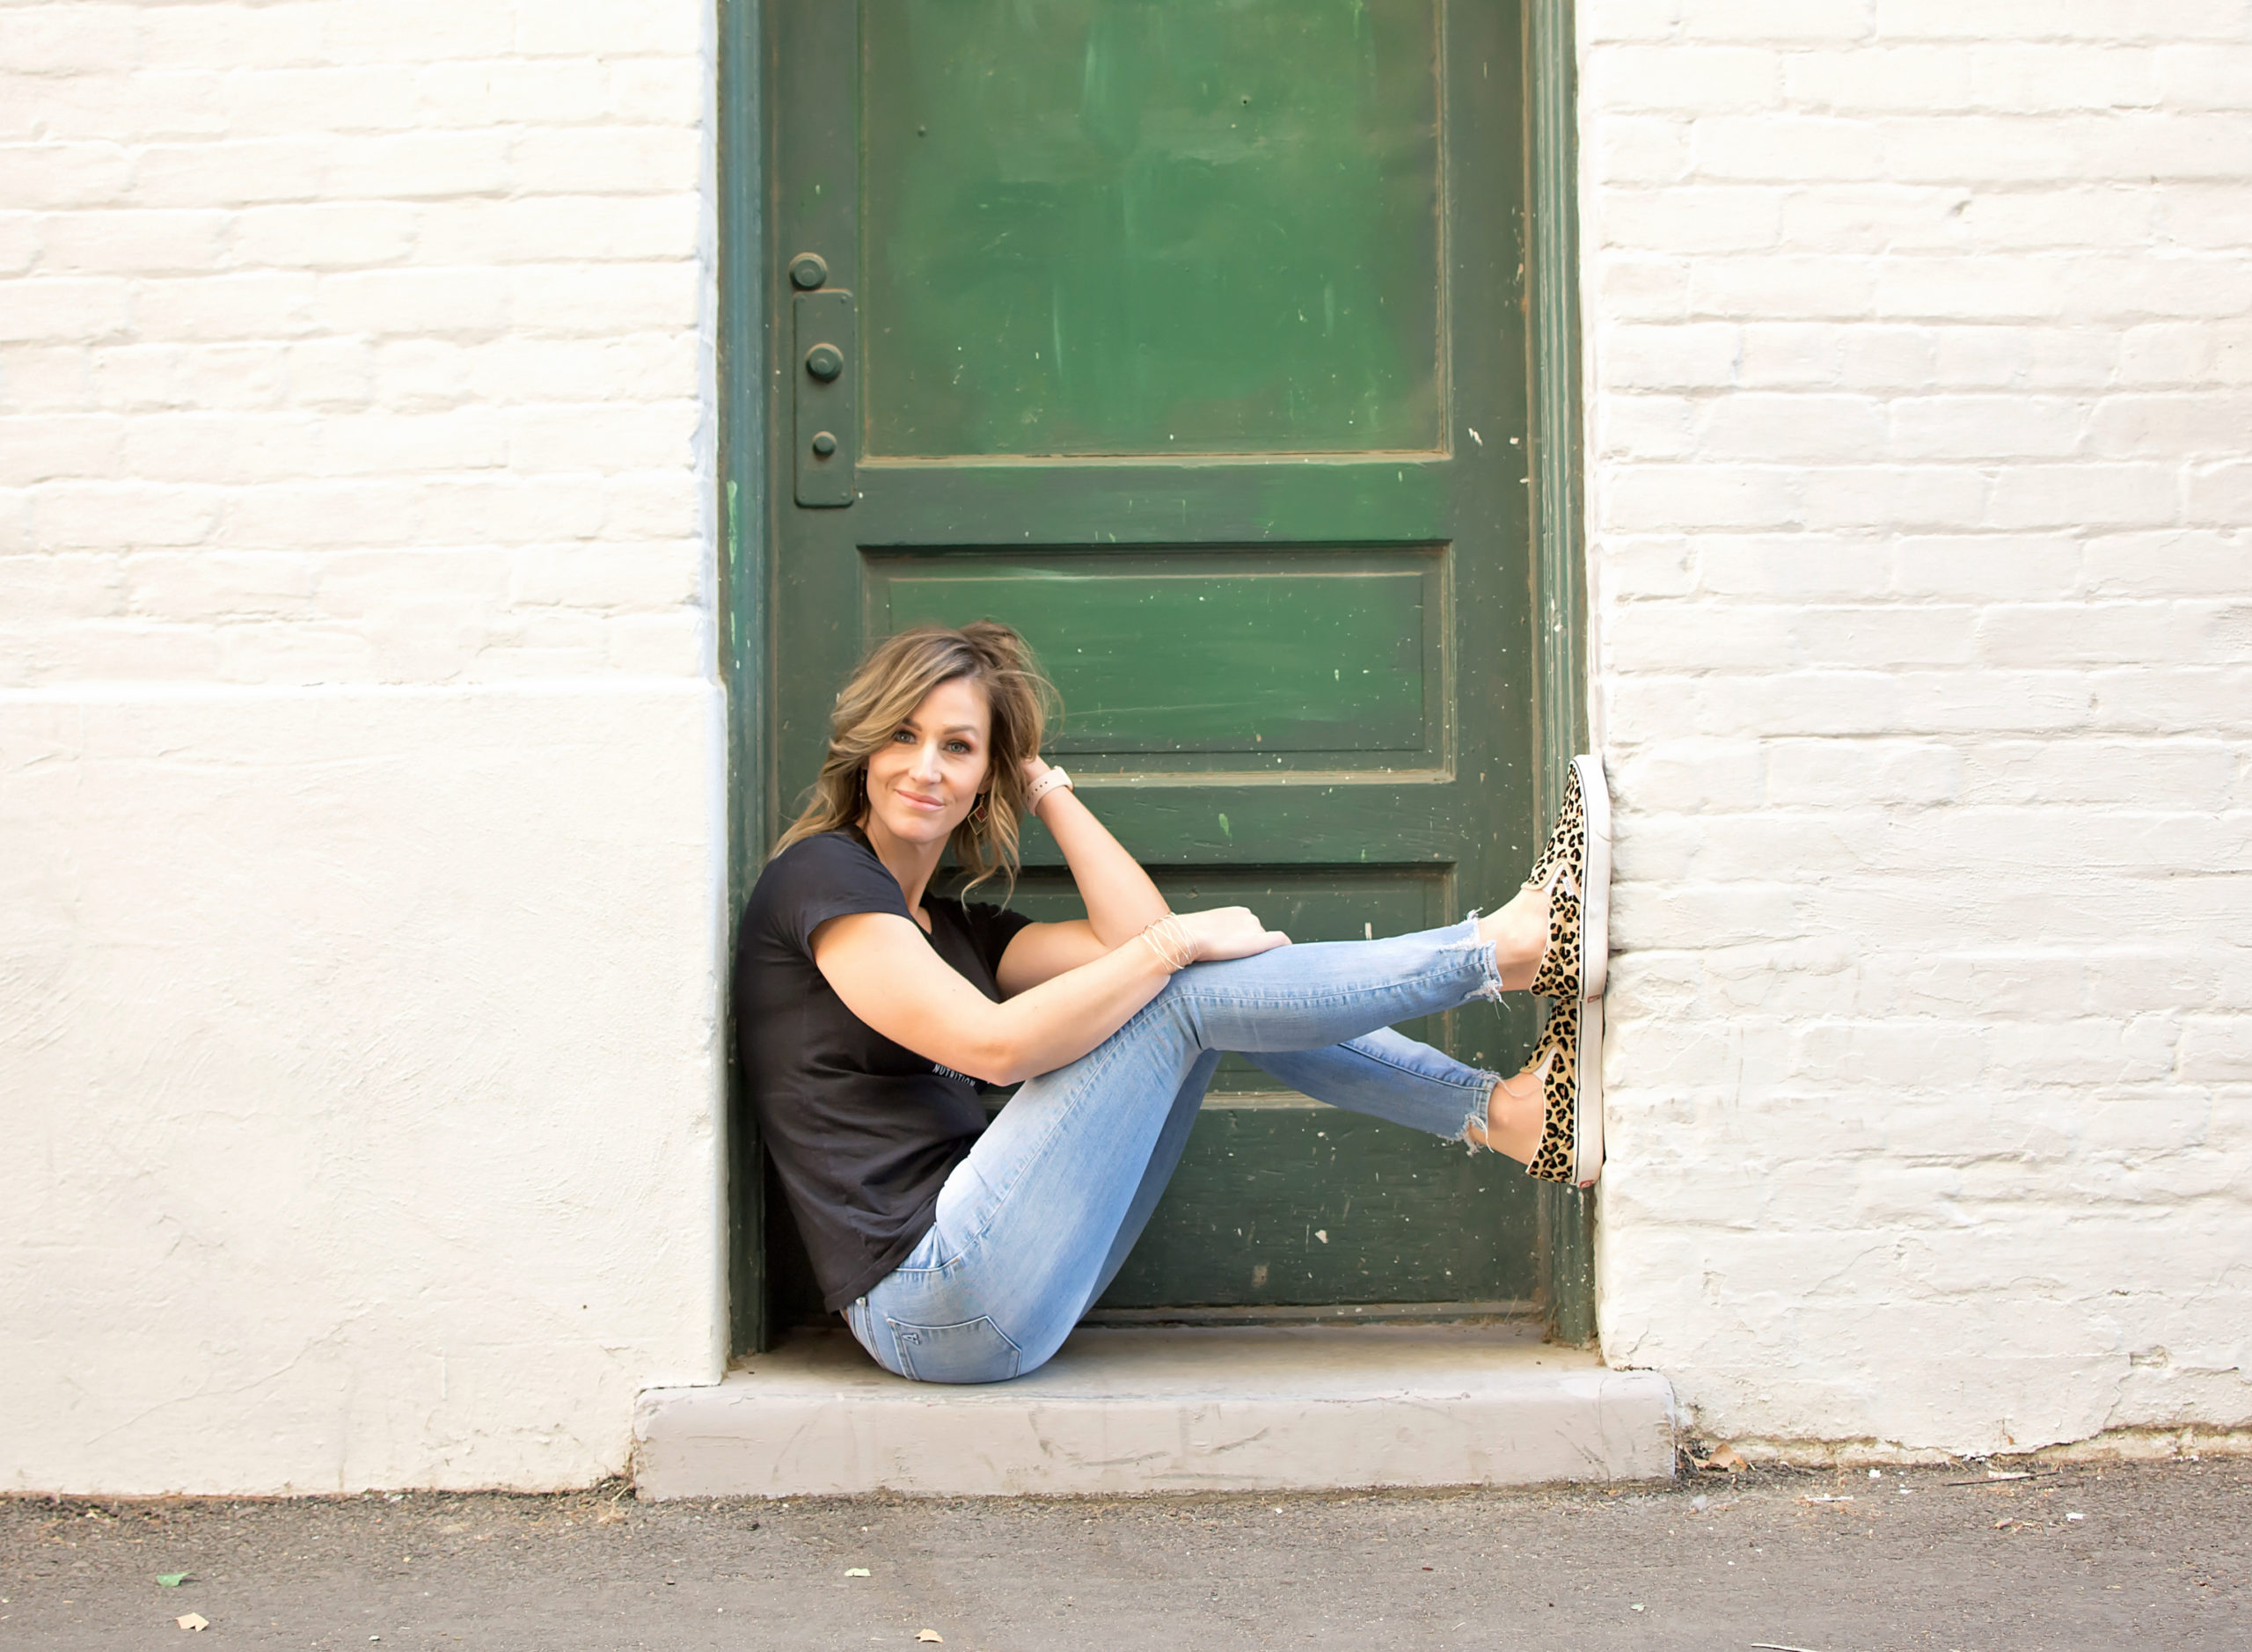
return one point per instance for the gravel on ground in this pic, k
(2068, 1556)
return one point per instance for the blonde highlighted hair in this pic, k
(880, 696)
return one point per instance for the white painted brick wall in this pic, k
(354, 341)
(1921, 394)
(360, 750)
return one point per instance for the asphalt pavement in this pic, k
(2066, 1555)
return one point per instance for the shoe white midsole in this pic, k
(1587, 1116)
(1595, 893)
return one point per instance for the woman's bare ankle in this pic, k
(1518, 933)
(1514, 1114)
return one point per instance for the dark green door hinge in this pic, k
(827, 400)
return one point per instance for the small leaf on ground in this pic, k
(194, 1621)
(170, 1580)
(856, 1571)
(1725, 1460)
(930, 1634)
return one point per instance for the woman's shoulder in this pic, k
(823, 849)
(819, 869)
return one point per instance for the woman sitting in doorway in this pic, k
(867, 1009)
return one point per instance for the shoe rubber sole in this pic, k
(1595, 969)
(1587, 1112)
(1595, 894)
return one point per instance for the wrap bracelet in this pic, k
(1171, 943)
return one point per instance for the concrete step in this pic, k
(1120, 1411)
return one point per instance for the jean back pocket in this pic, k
(974, 1351)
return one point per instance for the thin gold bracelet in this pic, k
(1170, 942)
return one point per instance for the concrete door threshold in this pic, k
(1120, 1411)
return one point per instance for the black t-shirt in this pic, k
(863, 1132)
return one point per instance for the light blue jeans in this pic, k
(1033, 1226)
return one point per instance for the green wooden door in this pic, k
(1187, 337)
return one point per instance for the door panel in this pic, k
(1188, 337)
(1287, 661)
(1103, 228)
(1295, 1207)
(1280, 1201)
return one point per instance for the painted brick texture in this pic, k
(1921, 392)
(360, 750)
(354, 340)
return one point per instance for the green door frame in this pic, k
(1551, 257)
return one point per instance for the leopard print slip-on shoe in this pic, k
(1570, 1059)
(1560, 836)
(1575, 870)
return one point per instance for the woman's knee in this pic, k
(1176, 1014)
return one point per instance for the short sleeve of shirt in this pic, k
(827, 877)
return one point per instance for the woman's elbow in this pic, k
(997, 1062)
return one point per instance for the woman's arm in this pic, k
(884, 969)
(1121, 900)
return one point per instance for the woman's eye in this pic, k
(904, 736)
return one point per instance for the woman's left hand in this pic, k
(1227, 931)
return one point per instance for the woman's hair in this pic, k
(884, 693)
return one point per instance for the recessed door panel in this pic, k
(1300, 1206)
(1154, 228)
(1272, 660)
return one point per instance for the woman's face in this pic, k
(927, 779)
